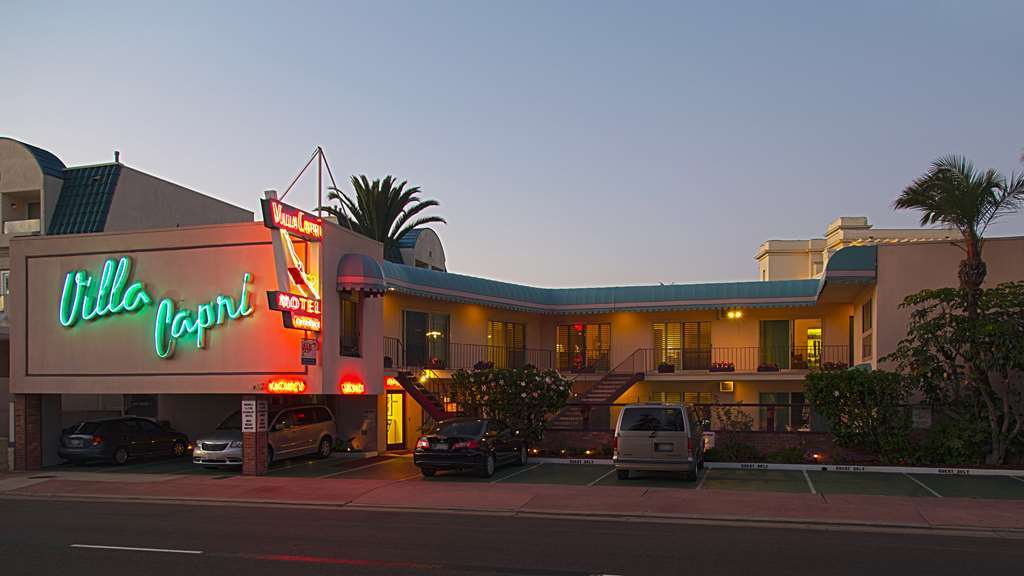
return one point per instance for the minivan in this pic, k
(658, 437)
(294, 431)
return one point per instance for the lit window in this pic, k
(350, 321)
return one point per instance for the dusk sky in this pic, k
(569, 143)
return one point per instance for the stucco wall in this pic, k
(909, 268)
(145, 201)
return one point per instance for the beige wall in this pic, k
(909, 268)
(144, 201)
(115, 354)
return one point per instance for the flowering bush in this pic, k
(520, 397)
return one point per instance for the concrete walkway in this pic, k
(1006, 517)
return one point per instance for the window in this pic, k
(506, 344)
(5, 288)
(350, 320)
(652, 419)
(786, 412)
(584, 347)
(149, 427)
(698, 397)
(426, 339)
(775, 343)
(866, 325)
(322, 414)
(469, 428)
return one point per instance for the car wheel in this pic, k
(690, 476)
(120, 456)
(324, 450)
(179, 448)
(428, 472)
(488, 470)
(622, 474)
(524, 455)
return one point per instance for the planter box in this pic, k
(666, 369)
(767, 368)
(722, 369)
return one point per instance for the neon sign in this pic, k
(291, 219)
(285, 386)
(350, 387)
(392, 383)
(288, 302)
(301, 322)
(84, 299)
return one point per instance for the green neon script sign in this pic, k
(84, 298)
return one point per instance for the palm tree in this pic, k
(953, 193)
(383, 209)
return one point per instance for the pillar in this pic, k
(254, 435)
(28, 432)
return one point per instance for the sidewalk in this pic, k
(597, 501)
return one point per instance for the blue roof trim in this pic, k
(48, 162)
(471, 289)
(408, 240)
(85, 199)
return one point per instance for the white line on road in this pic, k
(132, 549)
(356, 469)
(923, 485)
(702, 479)
(809, 483)
(603, 476)
(516, 473)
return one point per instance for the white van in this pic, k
(658, 437)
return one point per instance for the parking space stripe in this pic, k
(133, 549)
(1017, 478)
(923, 485)
(703, 477)
(516, 473)
(381, 463)
(810, 484)
(602, 477)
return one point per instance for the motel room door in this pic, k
(396, 420)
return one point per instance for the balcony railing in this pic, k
(585, 361)
(745, 358)
(21, 227)
(457, 356)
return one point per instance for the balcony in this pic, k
(456, 356)
(21, 227)
(746, 359)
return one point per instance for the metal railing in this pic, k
(719, 417)
(746, 358)
(457, 356)
(585, 361)
(394, 353)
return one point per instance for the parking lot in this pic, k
(401, 468)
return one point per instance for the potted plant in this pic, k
(768, 367)
(666, 368)
(483, 365)
(722, 367)
(834, 366)
(799, 363)
(436, 363)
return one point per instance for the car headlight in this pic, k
(235, 444)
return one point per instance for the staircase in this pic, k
(429, 401)
(605, 391)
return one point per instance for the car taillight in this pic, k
(422, 443)
(468, 444)
(689, 447)
(97, 440)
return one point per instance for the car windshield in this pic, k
(652, 419)
(460, 428)
(84, 428)
(232, 422)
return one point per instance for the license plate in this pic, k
(75, 443)
(664, 447)
(438, 446)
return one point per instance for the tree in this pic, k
(520, 397)
(383, 209)
(867, 410)
(969, 366)
(955, 194)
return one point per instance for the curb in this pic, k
(793, 523)
(880, 469)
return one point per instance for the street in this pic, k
(94, 538)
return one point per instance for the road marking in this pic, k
(923, 485)
(133, 549)
(809, 483)
(417, 475)
(702, 479)
(516, 473)
(603, 476)
(332, 474)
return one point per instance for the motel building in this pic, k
(189, 321)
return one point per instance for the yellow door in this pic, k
(396, 420)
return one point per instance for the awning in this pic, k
(360, 273)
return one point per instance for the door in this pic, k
(505, 442)
(637, 427)
(775, 339)
(306, 431)
(415, 338)
(159, 439)
(133, 438)
(396, 420)
(282, 434)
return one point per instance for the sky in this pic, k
(569, 143)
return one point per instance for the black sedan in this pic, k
(476, 444)
(118, 439)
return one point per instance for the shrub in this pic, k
(732, 451)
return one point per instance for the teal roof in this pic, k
(854, 258)
(471, 289)
(48, 162)
(408, 240)
(84, 200)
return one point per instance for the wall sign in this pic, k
(285, 386)
(248, 415)
(284, 217)
(352, 387)
(298, 311)
(309, 349)
(87, 298)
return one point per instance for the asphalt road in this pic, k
(92, 538)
